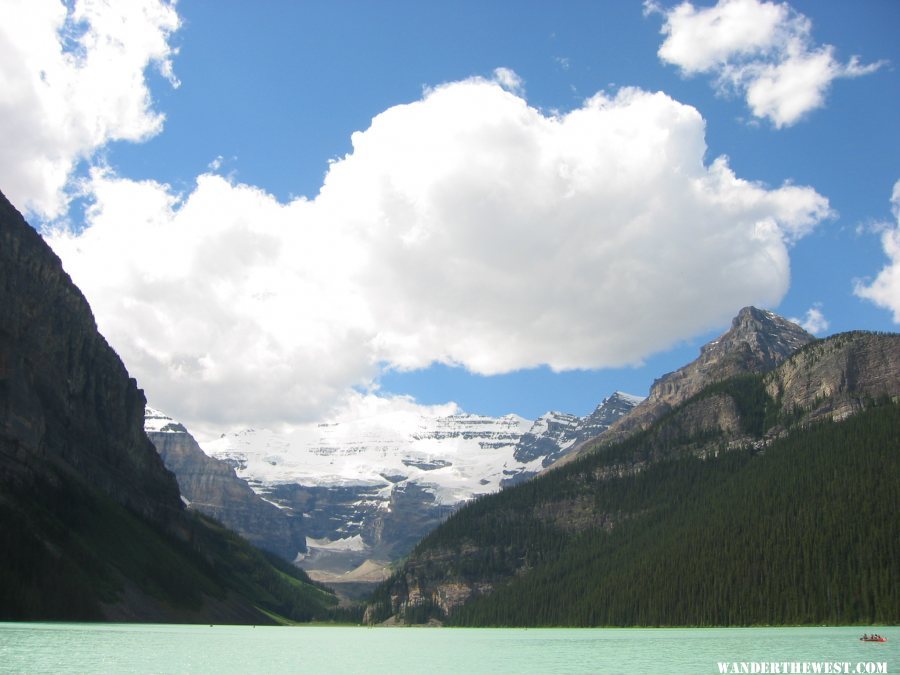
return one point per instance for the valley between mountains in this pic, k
(335, 497)
(757, 484)
(478, 510)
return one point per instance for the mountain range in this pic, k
(357, 492)
(756, 484)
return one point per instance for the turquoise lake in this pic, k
(139, 648)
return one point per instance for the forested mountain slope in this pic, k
(746, 503)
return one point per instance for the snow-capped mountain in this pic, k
(607, 413)
(456, 457)
(553, 433)
(372, 487)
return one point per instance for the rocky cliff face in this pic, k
(835, 378)
(66, 399)
(92, 526)
(211, 486)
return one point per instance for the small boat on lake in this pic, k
(873, 638)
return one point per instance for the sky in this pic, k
(291, 212)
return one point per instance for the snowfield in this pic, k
(456, 457)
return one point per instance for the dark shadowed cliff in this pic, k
(66, 400)
(91, 522)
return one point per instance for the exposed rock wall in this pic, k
(65, 396)
(833, 378)
(212, 487)
(91, 522)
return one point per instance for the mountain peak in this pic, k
(757, 342)
(157, 421)
(622, 396)
(568, 432)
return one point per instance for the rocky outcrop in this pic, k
(66, 400)
(835, 378)
(716, 415)
(211, 486)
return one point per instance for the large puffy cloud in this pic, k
(71, 80)
(227, 305)
(764, 50)
(884, 290)
(465, 228)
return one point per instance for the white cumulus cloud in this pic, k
(464, 228)
(71, 80)
(762, 50)
(226, 305)
(814, 321)
(884, 290)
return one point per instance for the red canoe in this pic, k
(873, 639)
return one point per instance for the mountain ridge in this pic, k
(503, 539)
(756, 342)
(371, 488)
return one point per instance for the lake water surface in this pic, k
(140, 648)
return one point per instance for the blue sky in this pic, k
(215, 116)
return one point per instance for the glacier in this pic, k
(371, 487)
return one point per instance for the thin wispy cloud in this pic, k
(509, 80)
(762, 51)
